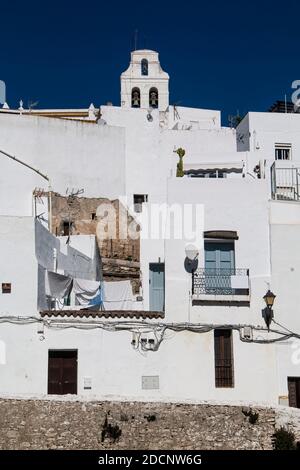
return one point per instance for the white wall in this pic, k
(261, 131)
(18, 265)
(73, 154)
(184, 363)
(193, 117)
(229, 204)
(285, 235)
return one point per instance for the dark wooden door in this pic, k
(223, 358)
(294, 391)
(62, 372)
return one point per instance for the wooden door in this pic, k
(62, 372)
(224, 375)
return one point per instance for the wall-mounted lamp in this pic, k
(268, 314)
(269, 298)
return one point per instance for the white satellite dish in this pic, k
(191, 252)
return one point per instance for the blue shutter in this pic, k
(157, 287)
(219, 266)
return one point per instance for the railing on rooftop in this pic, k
(207, 281)
(285, 183)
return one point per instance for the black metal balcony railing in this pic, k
(217, 281)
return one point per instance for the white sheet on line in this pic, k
(85, 290)
(57, 285)
(118, 295)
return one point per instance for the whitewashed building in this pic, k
(213, 242)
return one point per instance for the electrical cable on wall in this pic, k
(145, 328)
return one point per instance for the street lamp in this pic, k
(269, 298)
(268, 315)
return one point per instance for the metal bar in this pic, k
(12, 157)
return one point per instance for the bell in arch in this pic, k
(153, 98)
(135, 98)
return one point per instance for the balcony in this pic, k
(221, 286)
(285, 183)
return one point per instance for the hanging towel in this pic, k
(118, 295)
(96, 303)
(86, 290)
(57, 285)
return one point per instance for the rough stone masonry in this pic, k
(53, 424)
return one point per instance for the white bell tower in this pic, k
(144, 84)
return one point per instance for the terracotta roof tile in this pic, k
(84, 313)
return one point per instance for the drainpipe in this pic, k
(40, 174)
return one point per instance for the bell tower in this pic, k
(144, 84)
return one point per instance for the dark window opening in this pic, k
(135, 98)
(67, 226)
(153, 98)
(138, 200)
(206, 174)
(6, 288)
(144, 67)
(224, 375)
(62, 372)
(94, 216)
(67, 300)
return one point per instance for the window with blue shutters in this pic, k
(219, 266)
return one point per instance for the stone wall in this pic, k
(120, 254)
(44, 424)
(288, 418)
(81, 215)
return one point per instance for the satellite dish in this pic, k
(191, 252)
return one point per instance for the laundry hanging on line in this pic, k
(57, 285)
(86, 291)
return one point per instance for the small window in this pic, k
(144, 67)
(138, 200)
(67, 228)
(223, 359)
(93, 215)
(283, 151)
(6, 288)
(135, 98)
(153, 98)
(206, 174)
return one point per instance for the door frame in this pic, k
(50, 350)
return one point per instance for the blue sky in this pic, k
(220, 55)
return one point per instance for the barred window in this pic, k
(283, 151)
